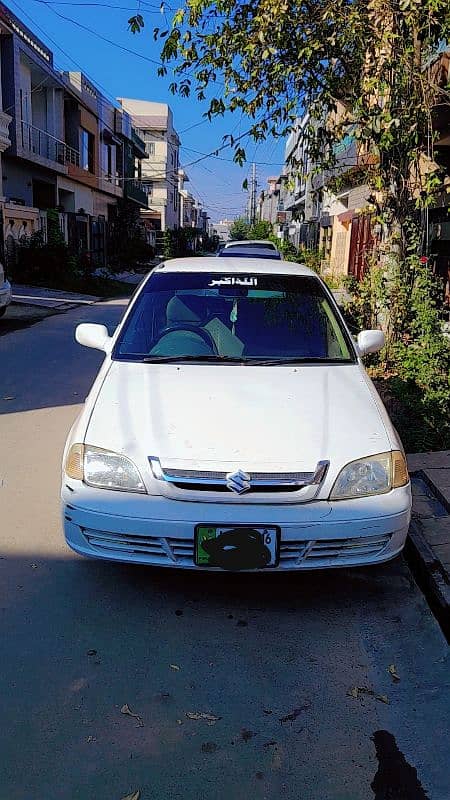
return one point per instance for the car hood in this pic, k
(228, 416)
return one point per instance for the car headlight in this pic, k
(372, 475)
(103, 469)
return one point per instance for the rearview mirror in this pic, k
(370, 342)
(92, 335)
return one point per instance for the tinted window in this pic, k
(237, 316)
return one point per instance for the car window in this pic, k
(259, 245)
(238, 316)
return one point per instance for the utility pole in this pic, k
(253, 189)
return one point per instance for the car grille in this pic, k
(327, 551)
(293, 554)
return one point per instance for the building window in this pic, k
(147, 187)
(151, 148)
(109, 161)
(87, 150)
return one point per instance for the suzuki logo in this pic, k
(238, 482)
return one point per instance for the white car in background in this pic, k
(233, 426)
(5, 292)
(239, 246)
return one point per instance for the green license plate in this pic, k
(237, 547)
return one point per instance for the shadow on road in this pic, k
(271, 659)
(43, 366)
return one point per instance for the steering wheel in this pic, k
(200, 332)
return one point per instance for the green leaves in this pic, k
(136, 24)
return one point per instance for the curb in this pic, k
(430, 575)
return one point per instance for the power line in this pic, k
(97, 5)
(103, 38)
(64, 52)
(230, 160)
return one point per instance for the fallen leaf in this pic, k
(209, 747)
(133, 796)
(129, 713)
(393, 673)
(200, 715)
(361, 690)
(91, 739)
(91, 652)
(179, 721)
(294, 714)
(34, 566)
(246, 735)
(174, 666)
(9, 398)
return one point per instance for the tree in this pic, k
(240, 229)
(260, 230)
(362, 67)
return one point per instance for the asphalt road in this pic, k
(295, 668)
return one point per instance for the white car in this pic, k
(232, 425)
(252, 245)
(5, 292)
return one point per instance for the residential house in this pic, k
(154, 123)
(269, 200)
(188, 217)
(64, 154)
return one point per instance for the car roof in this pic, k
(235, 264)
(247, 242)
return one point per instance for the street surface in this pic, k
(295, 668)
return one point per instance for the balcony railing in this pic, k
(135, 190)
(43, 144)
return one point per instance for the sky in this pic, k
(216, 182)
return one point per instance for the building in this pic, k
(68, 148)
(337, 224)
(268, 201)
(188, 215)
(221, 229)
(154, 124)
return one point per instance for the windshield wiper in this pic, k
(247, 362)
(207, 358)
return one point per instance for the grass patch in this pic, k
(421, 417)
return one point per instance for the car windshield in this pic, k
(241, 318)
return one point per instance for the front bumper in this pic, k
(5, 294)
(144, 529)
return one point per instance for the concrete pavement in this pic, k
(429, 541)
(295, 668)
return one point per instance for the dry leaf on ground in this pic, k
(356, 691)
(133, 796)
(129, 713)
(174, 666)
(392, 669)
(209, 718)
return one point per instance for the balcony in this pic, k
(37, 142)
(134, 190)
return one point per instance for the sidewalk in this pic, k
(49, 298)
(428, 544)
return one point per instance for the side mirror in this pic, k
(370, 342)
(92, 335)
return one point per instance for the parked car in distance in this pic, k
(265, 243)
(250, 251)
(240, 247)
(5, 292)
(232, 425)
